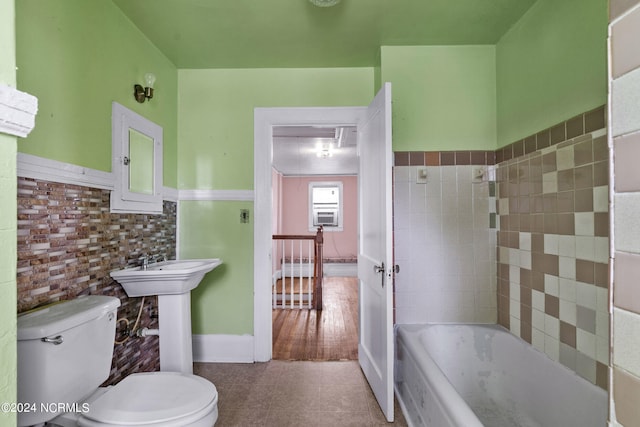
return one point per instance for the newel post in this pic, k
(318, 268)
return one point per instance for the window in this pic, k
(325, 206)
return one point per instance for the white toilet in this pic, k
(64, 354)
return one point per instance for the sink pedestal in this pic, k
(176, 348)
(172, 282)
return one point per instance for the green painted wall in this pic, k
(551, 66)
(377, 73)
(215, 113)
(77, 57)
(223, 302)
(8, 256)
(8, 242)
(444, 97)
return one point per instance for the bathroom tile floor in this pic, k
(294, 393)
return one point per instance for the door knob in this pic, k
(378, 268)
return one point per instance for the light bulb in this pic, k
(149, 79)
(324, 151)
(325, 3)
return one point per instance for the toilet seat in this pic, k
(154, 399)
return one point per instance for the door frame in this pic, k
(264, 121)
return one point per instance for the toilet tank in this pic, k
(64, 352)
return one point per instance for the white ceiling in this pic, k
(295, 150)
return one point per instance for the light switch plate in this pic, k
(244, 216)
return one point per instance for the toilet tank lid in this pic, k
(58, 317)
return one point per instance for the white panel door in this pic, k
(375, 260)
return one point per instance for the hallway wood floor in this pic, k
(330, 334)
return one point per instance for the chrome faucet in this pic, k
(158, 258)
(145, 262)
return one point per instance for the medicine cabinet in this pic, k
(136, 162)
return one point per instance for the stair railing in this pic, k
(298, 282)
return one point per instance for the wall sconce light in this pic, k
(142, 93)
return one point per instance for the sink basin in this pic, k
(165, 278)
(172, 282)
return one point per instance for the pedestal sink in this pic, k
(172, 282)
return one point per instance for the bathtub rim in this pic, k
(448, 399)
(415, 328)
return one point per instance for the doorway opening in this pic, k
(314, 184)
(375, 254)
(266, 120)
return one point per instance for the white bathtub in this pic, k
(482, 375)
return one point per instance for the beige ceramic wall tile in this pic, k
(585, 247)
(567, 268)
(537, 302)
(626, 389)
(625, 110)
(602, 349)
(514, 323)
(586, 343)
(584, 222)
(525, 259)
(618, 7)
(627, 222)
(602, 299)
(586, 295)
(567, 246)
(525, 241)
(537, 339)
(552, 347)
(625, 160)
(565, 158)
(552, 326)
(601, 250)
(551, 285)
(568, 312)
(550, 182)
(601, 199)
(625, 34)
(567, 290)
(626, 340)
(627, 281)
(586, 367)
(552, 244)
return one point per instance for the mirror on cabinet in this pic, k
(140, 162)
(136, 163)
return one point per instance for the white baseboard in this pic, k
(338, 269)
(223, 348)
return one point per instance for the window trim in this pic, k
(326, 184)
